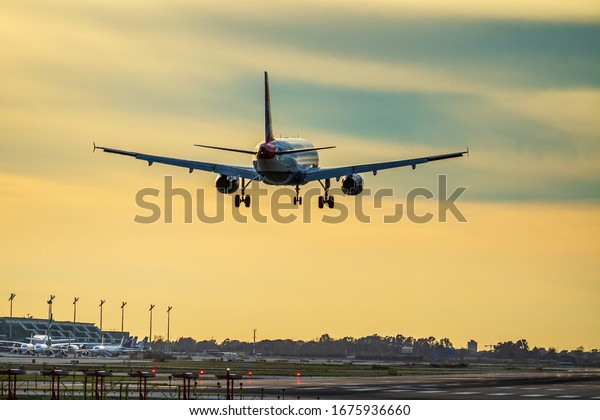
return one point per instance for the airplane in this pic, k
(217, 354)
(126, 346)
(109, 350)
(42, 344)
(141, 346)
(285, 161)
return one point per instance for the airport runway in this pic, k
(558, 384)
(561, 386)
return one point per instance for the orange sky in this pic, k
(513, 271)
(524, 266)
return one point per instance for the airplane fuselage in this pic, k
(108, 350)
(41, 348)
(26, 348)
(284, 169)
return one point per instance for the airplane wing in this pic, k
(316, 174)
(11, 344)
(246, 172)
(63, 345)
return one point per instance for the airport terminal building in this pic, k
(20, 329)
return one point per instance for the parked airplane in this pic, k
(282, 161)
(46, 347)
(126, 346)
(223, 355)
(42, 344)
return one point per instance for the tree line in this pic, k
(396, 347)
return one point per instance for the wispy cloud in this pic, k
(573, 112)
(535, 10)
(495, 9)
(91, 73)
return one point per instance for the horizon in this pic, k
(162, 338)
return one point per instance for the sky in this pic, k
(516, 82)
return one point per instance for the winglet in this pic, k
(268, 123)
(468, 151)
(94, 147)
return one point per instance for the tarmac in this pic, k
(496, 384)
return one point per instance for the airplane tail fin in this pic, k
(268, 124)
(47, 338)
(142, 344)
(127, 344)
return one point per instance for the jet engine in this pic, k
(352, 184)
(227, 184)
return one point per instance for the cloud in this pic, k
(539, 10)
(161, 78)
(495, 9)
(573, 112)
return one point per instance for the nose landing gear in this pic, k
(297, 198)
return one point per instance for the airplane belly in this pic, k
(277, 171)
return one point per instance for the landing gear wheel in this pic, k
(325, 198)
(243, 198)
(297, 199)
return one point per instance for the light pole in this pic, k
(169, 328)
(122, 315)
(101, 303)
(150, 338)
(75, 310)
(50, 306)
(10, 299)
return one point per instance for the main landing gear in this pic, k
(297, 198)
(243, 198)
(325, 198)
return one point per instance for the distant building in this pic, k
(407, 349)
(472, 347)
(20, 329)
